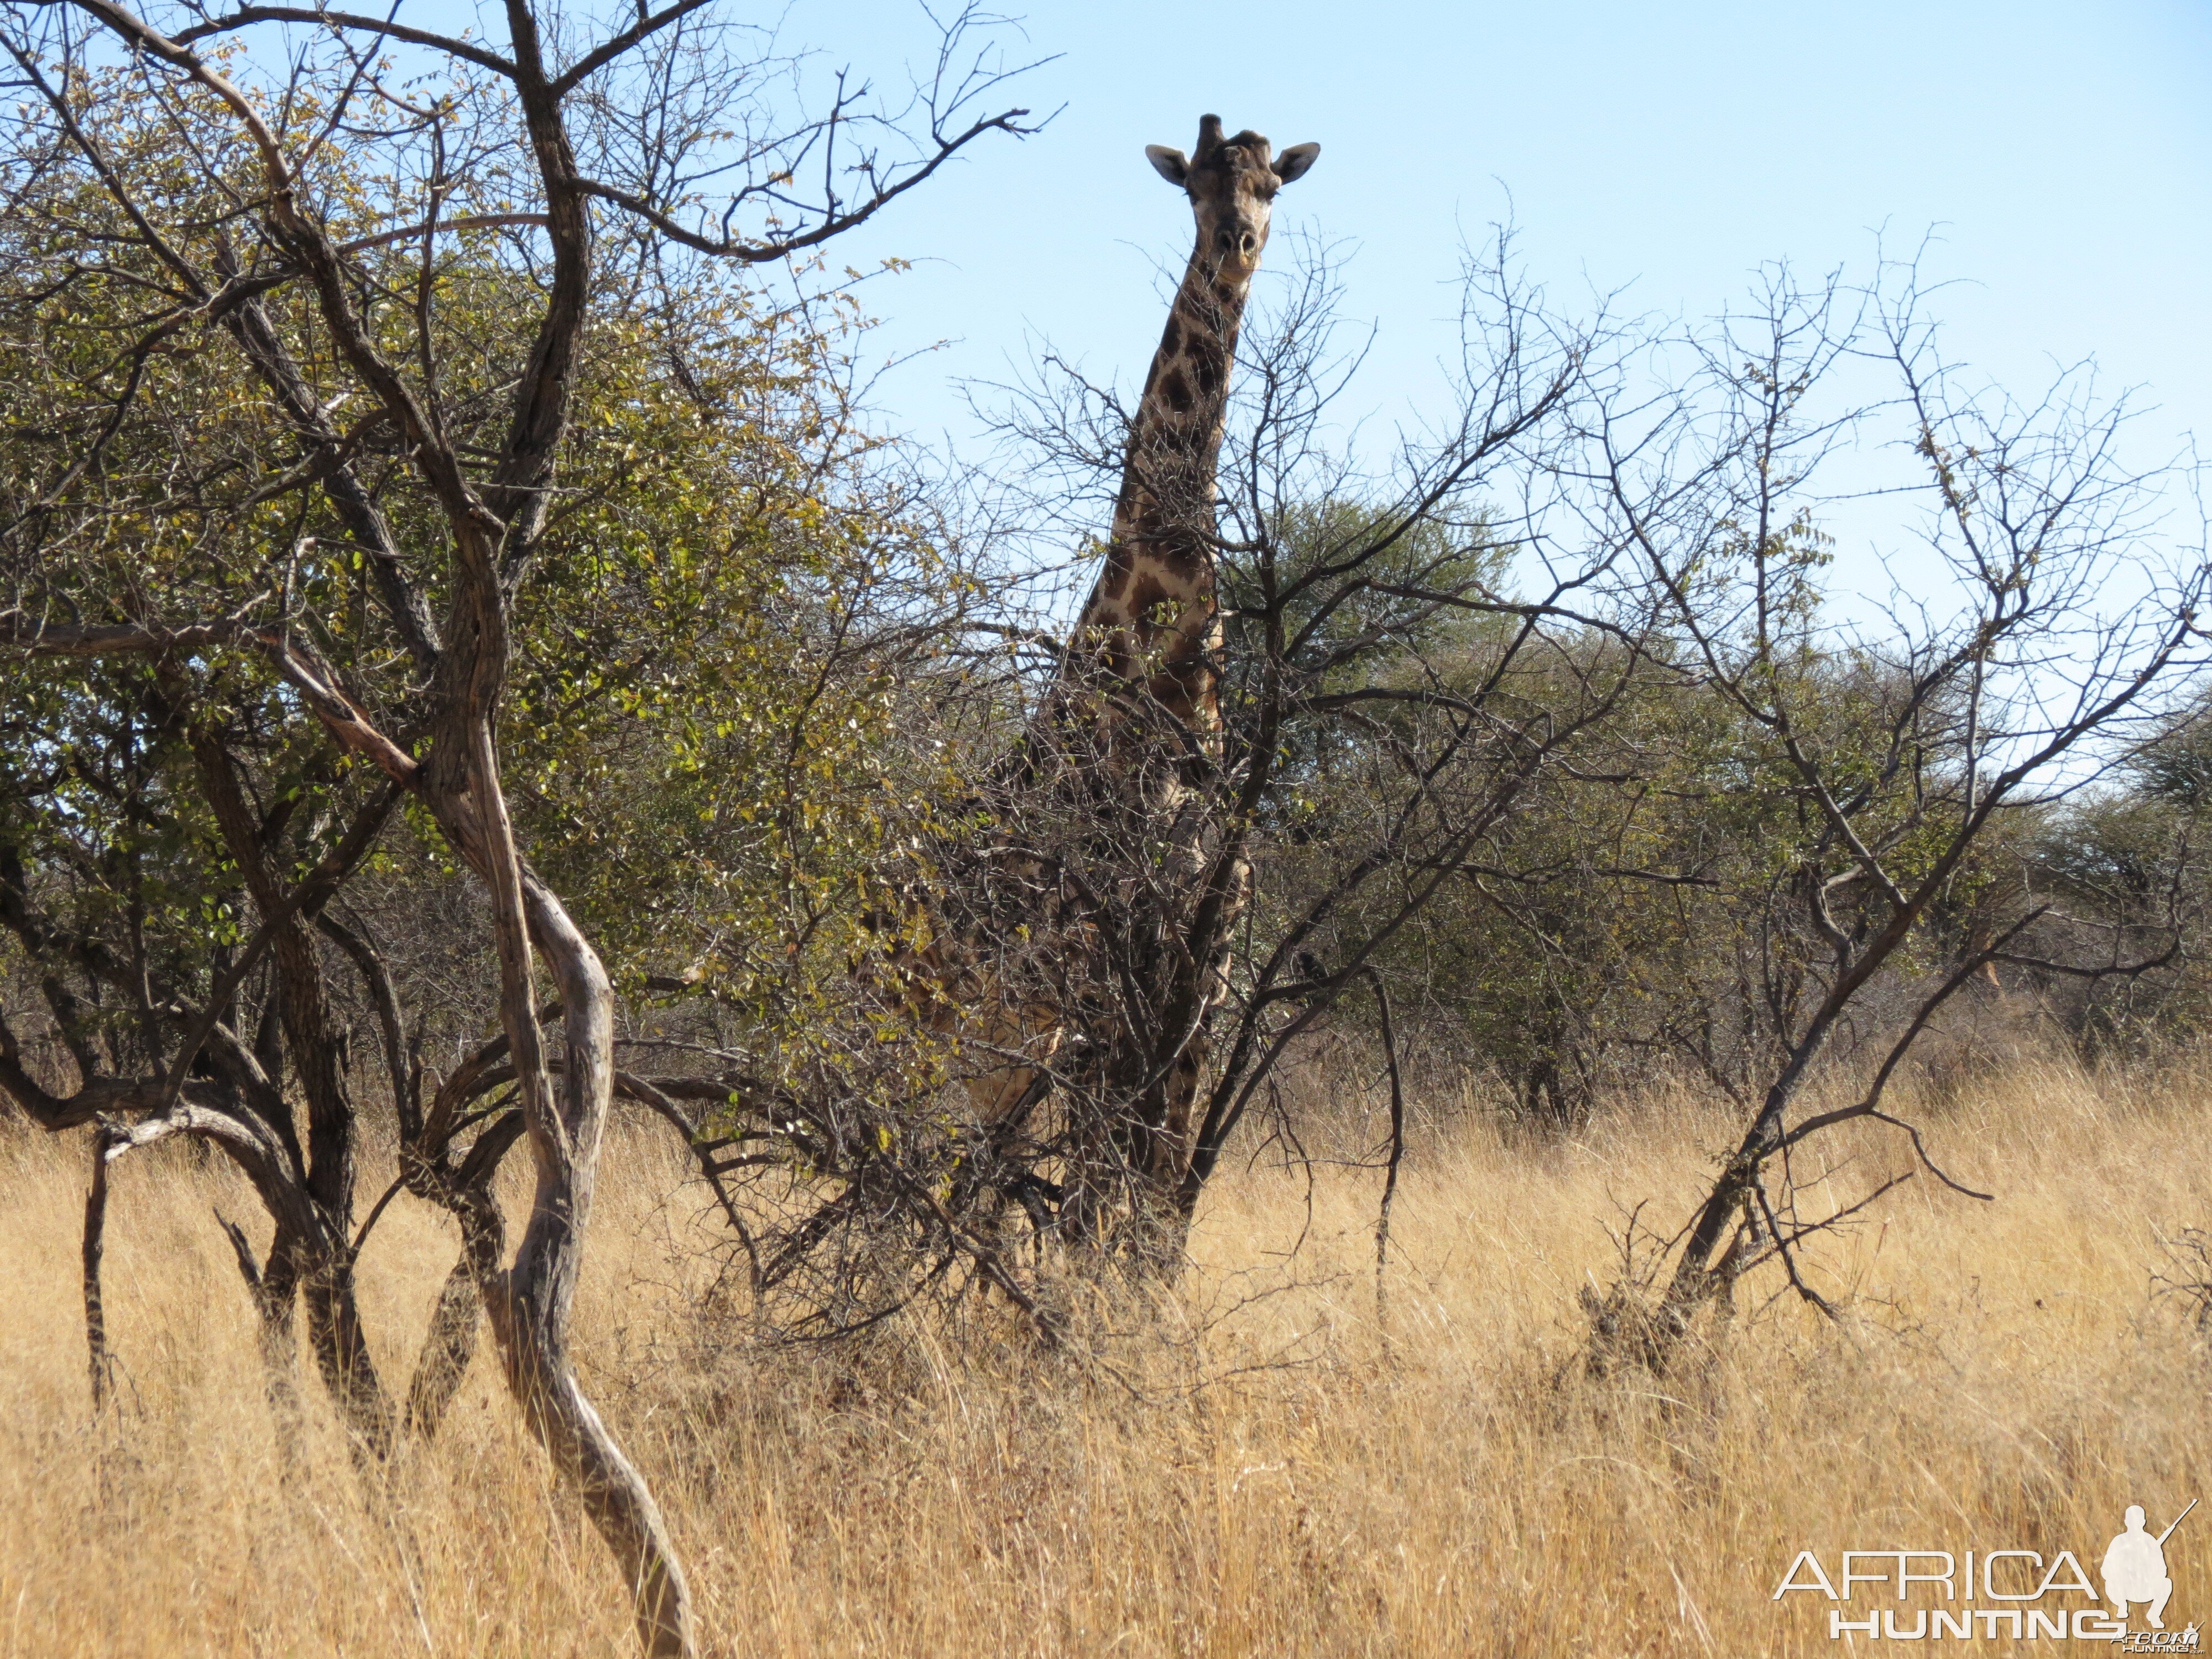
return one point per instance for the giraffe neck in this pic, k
(1153, 617)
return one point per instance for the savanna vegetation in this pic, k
(558, 962)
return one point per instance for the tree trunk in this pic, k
(531, 1308)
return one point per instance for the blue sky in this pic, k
(2063, 154)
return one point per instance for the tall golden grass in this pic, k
(1249, 1469)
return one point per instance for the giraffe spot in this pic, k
(1180, 554)
(1115, 580)
(1177, 390)
(1148, 591)
(1206, 364)
(1171, 339)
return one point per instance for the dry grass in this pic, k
(1276, 1486)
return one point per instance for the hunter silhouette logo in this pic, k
(2134, 1567)
(2027, 1598)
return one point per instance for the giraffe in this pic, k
(1129, 730)
(1141, 680)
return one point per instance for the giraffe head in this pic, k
(1231, 184)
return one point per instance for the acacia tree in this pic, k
(309, 347)
(2043, 631)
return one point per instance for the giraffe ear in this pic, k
(1171, 165)
(1294, 162)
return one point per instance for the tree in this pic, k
(2039, 648)
(315, 360)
